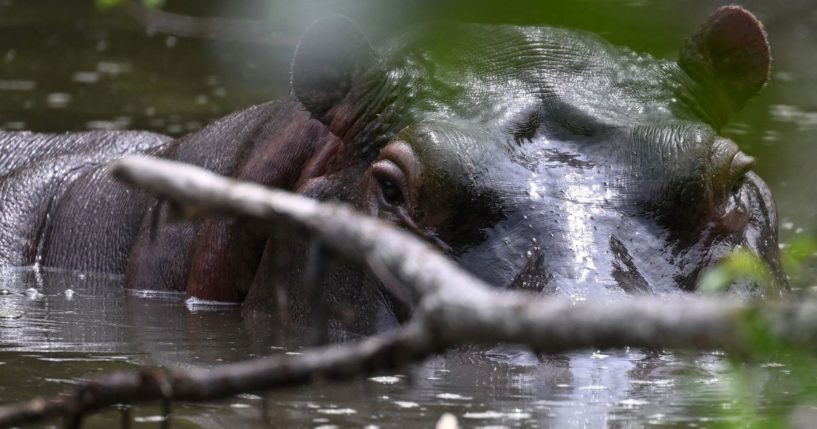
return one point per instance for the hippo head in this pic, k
(544, 159)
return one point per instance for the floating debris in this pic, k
(454, 396)
(386, 379)
(338, 411)
(484, 415)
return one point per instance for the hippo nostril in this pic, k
(741, 164)
(730, 165)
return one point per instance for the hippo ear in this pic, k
(730, 51)
(330, 57)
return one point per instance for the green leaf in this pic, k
(739, 264)
(153, 4)
(799, 250)
(715, 281)
(107, 4)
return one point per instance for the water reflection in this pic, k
(50, 339)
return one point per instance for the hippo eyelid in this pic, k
(392, 181)
(399, 163)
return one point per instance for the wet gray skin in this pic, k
(537, 158)
(547, 159)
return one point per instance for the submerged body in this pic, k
(537, 158)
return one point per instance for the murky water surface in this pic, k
(64, 65)
(58, 327)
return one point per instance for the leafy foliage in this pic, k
(760, 396)
(107, 4)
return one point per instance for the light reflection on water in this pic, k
(49, 341)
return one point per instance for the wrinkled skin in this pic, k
(537, 158)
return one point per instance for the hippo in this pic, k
(536, 158)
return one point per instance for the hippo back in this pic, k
(38, 170)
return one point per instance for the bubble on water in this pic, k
(17, 85)
(512, 415)
(85, 77)
(633, 403)
(594, 387)
(793, 114)
(14, 125)
(454, 396)
(657, 382)
(338, 411)
(598, 355)
(174, 128)
(106, 125)
(149, 419)
(387, 379)
(112, 68)
(196, 304)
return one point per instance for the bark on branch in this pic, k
(454, 307)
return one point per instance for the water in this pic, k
(66, 66)
(50, 340)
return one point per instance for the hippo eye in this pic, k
(391, 193)
(391, 181)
